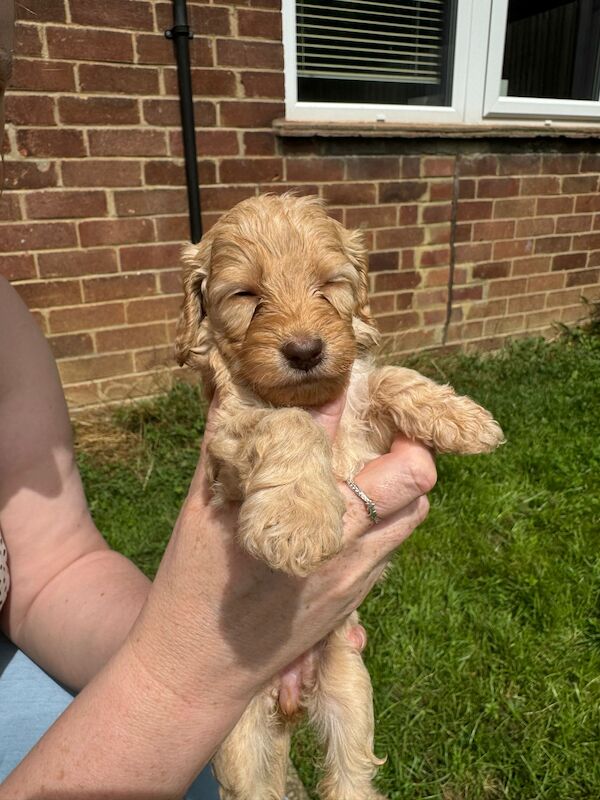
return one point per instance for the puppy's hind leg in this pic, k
(251, 764)
(341, 709)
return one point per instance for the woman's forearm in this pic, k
(127, 736)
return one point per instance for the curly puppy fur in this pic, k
(276, 318)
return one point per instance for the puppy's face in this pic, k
(280, 289)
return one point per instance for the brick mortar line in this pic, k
(38, 274)
(119, 376)
(118, 300)
(86, 189)
(44, 41)
(157, 64)
(477, 340)
(165, 321)
(165, 187)
(88, 248)
(160, 369)
(57, 334)
(82, 408)
(91, 277)
(146, 160)
(108, 353)
(159, 31)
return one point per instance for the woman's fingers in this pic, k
(393, 482)
(388, 535)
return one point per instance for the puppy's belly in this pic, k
(291, 687)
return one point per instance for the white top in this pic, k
(4, 577)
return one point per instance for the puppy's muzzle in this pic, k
(303, 352)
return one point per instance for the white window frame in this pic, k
(498, 106)
(373, 112)
(478, 57)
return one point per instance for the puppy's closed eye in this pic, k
(246, 298)
(234, 291)
(338, 291)
(336, 280)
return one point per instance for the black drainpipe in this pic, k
(180, 33)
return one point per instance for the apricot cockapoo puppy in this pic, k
(276, 318)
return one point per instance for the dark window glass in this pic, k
(552, 49)
(390, 51)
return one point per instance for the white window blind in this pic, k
(365, 40)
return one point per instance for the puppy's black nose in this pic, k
(304, 352)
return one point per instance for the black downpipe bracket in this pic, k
(180, 33)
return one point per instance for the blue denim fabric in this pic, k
(30, 701)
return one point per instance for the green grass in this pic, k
(135, 484)
(484, 641)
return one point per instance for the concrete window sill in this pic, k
(390, 130)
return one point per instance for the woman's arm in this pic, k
(216, 626)
(72, 600)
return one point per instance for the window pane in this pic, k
(552, 49)
(375, 51)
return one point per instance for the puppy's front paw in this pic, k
(293, 528)
(466, 428)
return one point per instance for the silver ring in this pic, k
(372, 511)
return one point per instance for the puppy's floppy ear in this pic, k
(192, 339)
(354, 247)
(356, 252)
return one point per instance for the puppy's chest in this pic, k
(354, 443)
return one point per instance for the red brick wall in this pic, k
(94, 207)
